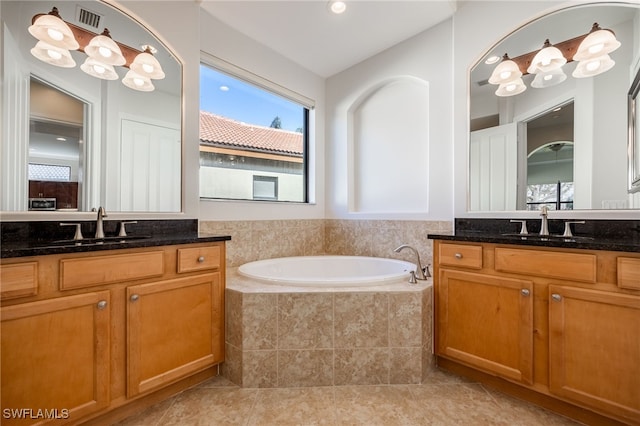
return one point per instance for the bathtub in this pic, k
(328, 271)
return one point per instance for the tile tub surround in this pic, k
(266, 239)
(278, 336)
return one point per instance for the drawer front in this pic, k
(19, 280)
(569, 266)
(90, 271)
(629, 273)
(466, 256)
(198, 258)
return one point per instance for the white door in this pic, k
(150, 167)
(493, 168)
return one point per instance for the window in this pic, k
(253, 138)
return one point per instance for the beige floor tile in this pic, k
(377, 405)
(211, 406)
(149, 417)
(294, 406)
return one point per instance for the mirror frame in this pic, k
(634, 135)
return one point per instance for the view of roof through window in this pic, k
(249, 136)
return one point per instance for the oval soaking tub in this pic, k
(328, 271)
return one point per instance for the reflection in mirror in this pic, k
(123, 146)
(591, 126)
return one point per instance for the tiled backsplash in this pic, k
(255, 240)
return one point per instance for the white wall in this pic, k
(426, 57)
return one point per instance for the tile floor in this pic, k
(446, 400)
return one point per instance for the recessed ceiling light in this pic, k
(492, 60)
(337, 7)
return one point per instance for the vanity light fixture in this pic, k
(57, 37)
(591, 50)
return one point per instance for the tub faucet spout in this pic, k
(420, 272)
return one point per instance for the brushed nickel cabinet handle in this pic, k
(102, 304)
(201, 259)
(134, 297)
(525, 292)
(556, 297)
(458, 255)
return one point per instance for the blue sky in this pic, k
(244, 102)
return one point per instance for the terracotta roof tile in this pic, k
(222, 131)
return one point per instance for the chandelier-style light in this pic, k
(57, 37)
(591, 51)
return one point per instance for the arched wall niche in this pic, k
(388, 147)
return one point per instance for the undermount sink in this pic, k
(96, 241)
(537, 237)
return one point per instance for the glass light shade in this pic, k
(511, 88)
(146, 65)
(98, 69)
(547, 59)
(136, 81)
(53, 55)
(548, 79)
(506, 72)
(105, 50)
(595, 66)
(596, 44)
(53, 30)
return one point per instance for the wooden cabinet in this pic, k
(55, 357)
(594, 349)
(559, 326)
(97, 333)
(487, 322)
(174, 330)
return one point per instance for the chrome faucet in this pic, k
(419, 273)
(99, 228)
(544, 225)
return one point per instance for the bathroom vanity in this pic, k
(95, 332)
(555, 321)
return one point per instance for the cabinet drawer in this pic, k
(629, 273)
(19, 280)
(198, 258)
(552, 264)
(467, 256)
(89, 271)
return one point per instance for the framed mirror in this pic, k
(73, 142)
(634, 135)
(587, 114)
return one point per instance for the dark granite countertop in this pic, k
(22, 239)
(613, 235)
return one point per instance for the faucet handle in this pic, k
(123, 231)
(78, 234)
(523, 226)
(427, 273)
(567, 227)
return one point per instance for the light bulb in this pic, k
(55, 34)
(53, 54)
(547, 77)
(596, 48)
(505, 74)
(148, 68)
(138, 82)
(98, 68)
(104, 52)
(593, 65)
(510, 88)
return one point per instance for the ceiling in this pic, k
(305, 32)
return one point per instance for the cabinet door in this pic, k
(486, 322)
(175, 328)
(594, 349)
(55, 358)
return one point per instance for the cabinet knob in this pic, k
(102, 304)
(201, 259)
(134, 297)
(556, 297)
(458, 255)
(525, 292)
